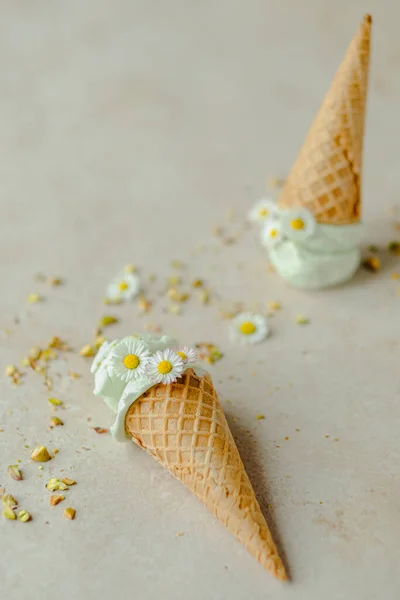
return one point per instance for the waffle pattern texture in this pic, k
(182, 425)
(326, 177)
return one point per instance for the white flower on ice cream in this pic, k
(188, 355)
(298, 224)
(263, 210)
(249, 328)
(127, 360)
(165, 366)
(271, 234)
(123, 288)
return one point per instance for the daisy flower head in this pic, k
(298, 224)
(188, 355)
(165, 366)
(271, 234)
(263, 210)
(123, 288)
(128, 359)
(249, 328)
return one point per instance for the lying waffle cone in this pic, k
(183, 426)
(326, 177)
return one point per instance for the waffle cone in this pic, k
(326, 177)
(182, 425)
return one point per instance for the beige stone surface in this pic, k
(129, 129)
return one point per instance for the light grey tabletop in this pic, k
(130, 131)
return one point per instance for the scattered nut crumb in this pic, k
(73, 375)
(394, 248)
(69, 513)
(54, 281)
(300, 320)
(8, 513)
(100, 429)
(40, 454)
(68, 481)
(260, 417)
(55, 422)
(372, 263)
(274, 305)
(55, 402)
(54, 500)
(86, 351)
(197, 283)
(33, 298)
(14, 472)
(54, 484)
(24, 516)
(108, 320)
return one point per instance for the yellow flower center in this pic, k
(131, 361)
(247, 327)
(263, 212)
(273, 233)
(123, 286)
(182, 355)
(297, 224)
(164, 367)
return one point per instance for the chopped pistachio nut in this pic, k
(56, 450)
(99, 341)
(54, 484)
(33, 298)
(24, 516)
(8, 513)
(109, 301)
(9, 500)
(48, 355)
(274, 305)
(35, 352)
(69, 513)
(204, 297)
(26, 361)
(144, 304)
(394, 248)
(130, 268)
(59, 344)
(108, 320)
(11, 370)
(54, 500)
(260, 417)
(55, 401)
(68, 481)
(197, 283)
(177, 264)
(86, 351)
(173, 280)
(40, 369)
(174, 309)
(54, 281)
(301, 320)
(14, 472)
(55, 422)
(40, 454)
(74, 375)
(374, 249)
(372, 264)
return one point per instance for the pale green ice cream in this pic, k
(331, 256)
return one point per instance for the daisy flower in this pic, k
(248, 328)
(263, 210)
(165, 366)
(271, 234)
(123, 288)
(128, 359)
(298, 224)
(188, 355)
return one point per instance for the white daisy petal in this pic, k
(188, 355)
(124, 287)
(128, 359)
(249, 328)
(271, 234)
(165, 366)
(298, 224)
(263, 210)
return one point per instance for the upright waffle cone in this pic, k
(182, 425)
(326, 177)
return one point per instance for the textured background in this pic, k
(129, 129)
